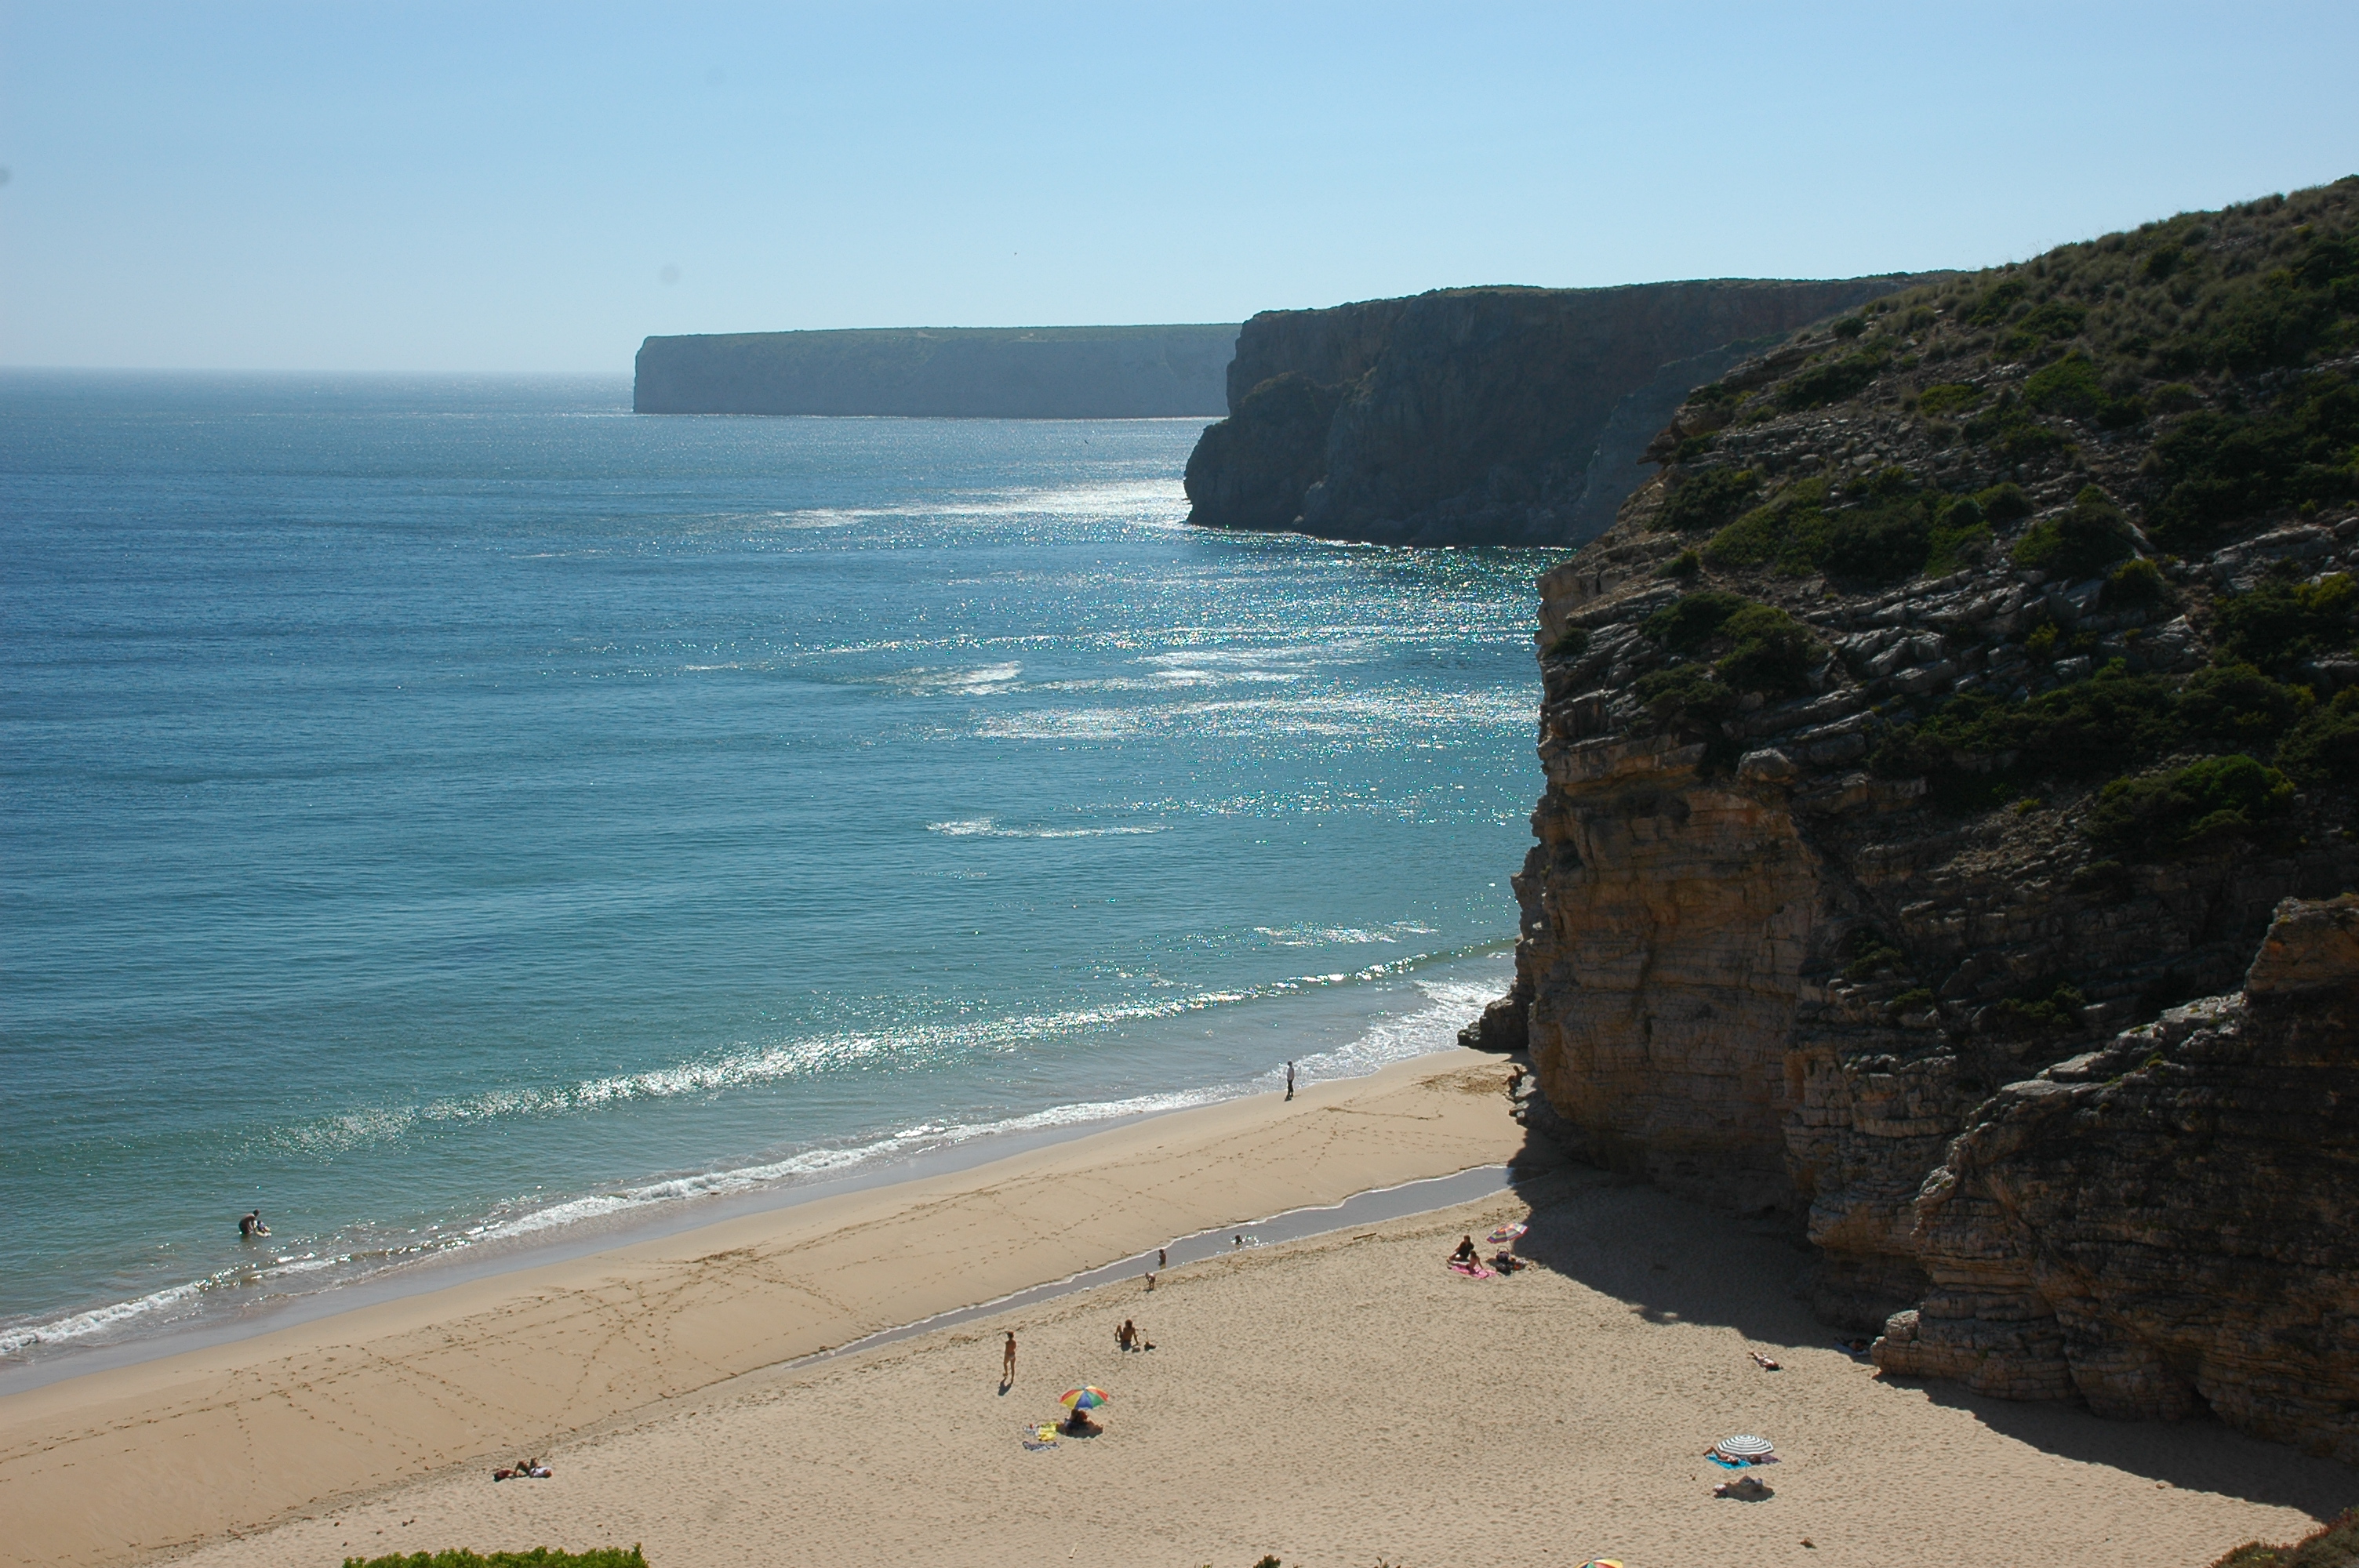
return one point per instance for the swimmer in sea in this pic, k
(252, 1226)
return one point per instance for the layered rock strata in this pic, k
(1474, 415)
(1882, 733)
(2163, 1225)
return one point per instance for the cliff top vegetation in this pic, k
(2114, 418)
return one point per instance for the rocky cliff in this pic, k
(1018, 372)
(2163, 1225)
(1971, 684)
(1474, 415)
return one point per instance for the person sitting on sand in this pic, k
(1507, 1262)
(1465, 1253)
(1079, 1424)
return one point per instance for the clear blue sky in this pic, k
(491, 185)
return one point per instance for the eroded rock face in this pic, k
(1475, 415)
(1761, 976)
(1886, 734)
(2163, 1224)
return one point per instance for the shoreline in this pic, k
(266, 1302)
(388, 1391)
(1342, 1399)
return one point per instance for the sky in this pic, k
(341, 185)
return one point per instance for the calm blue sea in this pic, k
(448, 813)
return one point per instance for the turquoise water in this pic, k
(444, 814)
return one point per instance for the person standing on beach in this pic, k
(1007, 1362)
(1290, 1080)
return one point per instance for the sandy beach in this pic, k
(1340, 1400)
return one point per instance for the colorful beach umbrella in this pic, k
(1743, 1445)
(1088, 1397)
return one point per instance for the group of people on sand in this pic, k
(1468, 1255)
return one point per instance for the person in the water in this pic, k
(252, 1226)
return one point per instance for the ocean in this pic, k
(453, 815)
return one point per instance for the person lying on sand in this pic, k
(1764, 1362)
(1744, 1488)
(1465, 1253)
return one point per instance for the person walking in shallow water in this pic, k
(1290, 1080)
(252, 1226)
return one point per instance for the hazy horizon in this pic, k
(435, 188)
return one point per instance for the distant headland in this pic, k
(1007, 373)
(1501, 415)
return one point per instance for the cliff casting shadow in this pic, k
(1673, 1260)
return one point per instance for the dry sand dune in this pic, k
(1337, 1402)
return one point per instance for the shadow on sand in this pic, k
(1672, 1260)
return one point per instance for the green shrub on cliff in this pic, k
(2216, 469)
(1948, 397)
(1708, 499)
(1830, 381)
(2324, 749)
(2236, 708)
(2136, 584)
(2069, 386)
(2057, 1007)
(1883, 528)
(1760, 647)
(2078, 543)
(2279, 625)
(2003, 504)
(1979, 749)
(1685, 693)
(2217, 799)
(1769, 652)
(1694, 620)
(2283, 317)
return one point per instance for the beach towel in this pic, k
(1508, 1232)
(1472, 1270)
(1741, 1463)
(1044, 1435)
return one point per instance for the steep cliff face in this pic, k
(1016, 373)
(1476, 415)
(1970, 685)
(2162, 1226)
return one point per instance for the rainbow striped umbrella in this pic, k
(1088, 1397)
